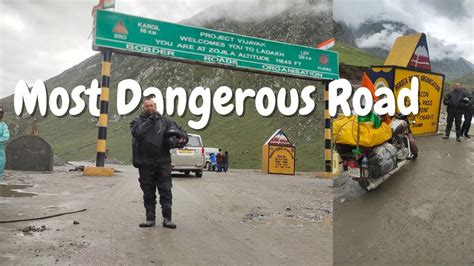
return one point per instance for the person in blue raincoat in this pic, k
(212, 157)
(4, 136)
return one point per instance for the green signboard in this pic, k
(137, 35)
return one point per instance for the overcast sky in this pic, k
(447, 23)
(40, 39)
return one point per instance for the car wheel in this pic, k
(199, 174)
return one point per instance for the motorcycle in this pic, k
(402, 144)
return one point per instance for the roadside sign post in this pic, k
(278, 155)
(101, 148)
(127, 34)
(327, 133)
(136, 35)
(408, 58)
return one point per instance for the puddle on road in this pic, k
(7, 191)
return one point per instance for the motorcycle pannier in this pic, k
(382, 160)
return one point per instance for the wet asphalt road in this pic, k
(423, 215)
(238, 218)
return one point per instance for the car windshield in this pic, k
(194, 142)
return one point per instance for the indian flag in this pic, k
(103, 4)
(326, 44)
(109, 4)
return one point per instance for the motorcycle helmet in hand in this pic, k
(176, 137)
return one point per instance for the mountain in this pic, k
(467, 80)
(452, 68)
(350, 55)
(377, 38)
(343, 34)
(306, 23)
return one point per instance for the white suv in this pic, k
(190, 158)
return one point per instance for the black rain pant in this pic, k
(153, 178)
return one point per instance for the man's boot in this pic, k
(148, 223)
(458, 139)
(150, 216)
(445, 137)
(167, 223)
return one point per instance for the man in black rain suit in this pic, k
(469, 110)
(456, 104)
(153, 135)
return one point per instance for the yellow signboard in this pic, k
(403, 49)
(281, 160)
(429, 98)
(278, 155)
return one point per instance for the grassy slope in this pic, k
(467, 80)
(356, 57)
(75, 138)
(242, 136)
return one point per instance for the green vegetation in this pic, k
(467, 80)
(354, 56)
(74, 138)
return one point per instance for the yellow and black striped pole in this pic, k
(104, 108)
(99, 169)
(327, 132)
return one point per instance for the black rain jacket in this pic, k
(149, 142)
